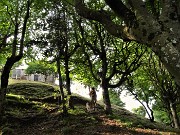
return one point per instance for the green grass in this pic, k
(31, 90)
(20, 104)
(20, 93)
(132, 120)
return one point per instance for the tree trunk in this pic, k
(174, 115)
(68, 85)
(2, 107)
(152, 115)
(147, 109)
(45, 78)
(61, 88)
(4, 82)
(151, 112)
(106, 99)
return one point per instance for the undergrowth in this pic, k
(36, 104)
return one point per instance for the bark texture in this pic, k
(106, 99)
(174, 115)
(156, 28)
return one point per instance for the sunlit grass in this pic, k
(77, 111)
(20, 93)
(131, 120)
(14, 81)
(14, 95)
(20, 104)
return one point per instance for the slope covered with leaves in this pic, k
(32, 109)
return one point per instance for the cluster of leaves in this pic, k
(139, 111)
(155, 89)
(40, 67)
(115, 98)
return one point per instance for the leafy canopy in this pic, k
(40, 67)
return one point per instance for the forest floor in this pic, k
(32, 109)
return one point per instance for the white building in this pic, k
(19, 73)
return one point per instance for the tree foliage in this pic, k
(153, 85)
(40, 67)
(152, 23)
(99, 43)
(115, 98)
(139, 111)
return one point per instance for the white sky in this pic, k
(130, 103)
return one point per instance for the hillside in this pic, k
(32, 109)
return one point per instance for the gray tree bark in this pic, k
(174, 115)
(160, 33)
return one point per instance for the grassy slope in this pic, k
(32, 108)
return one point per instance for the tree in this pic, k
(18, 18)
(41, 67)
(161, 113)
(152, 82)
(109, 60)
(139, 111)
(154, 23)
(58, 39)
(115, 98)
(59, 46)
(166, 89)
(141, 89)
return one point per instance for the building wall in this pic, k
(41, 78)
(20, 74)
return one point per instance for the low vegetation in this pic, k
(33, 108)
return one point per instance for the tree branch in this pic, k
(119, 83)
(122, 11)
(104, 18)
(24, 28)
(74, 50)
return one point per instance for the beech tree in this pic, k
(108, 59)
(154, 23)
